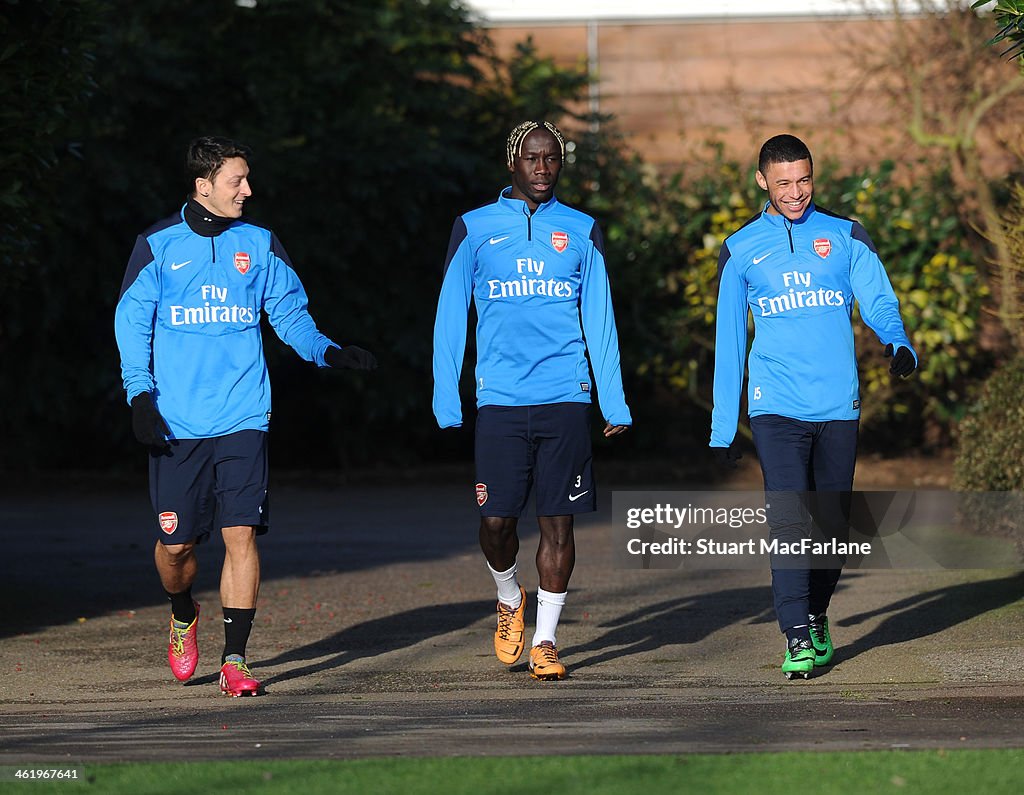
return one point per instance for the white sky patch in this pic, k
(496, 11)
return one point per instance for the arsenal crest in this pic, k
(242, 262)
(559, 241)
(823, 247)
(168, 521)
(481, 493)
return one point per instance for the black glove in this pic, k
(148, 425)
(903, 363)
(351, 357)
(727, 456)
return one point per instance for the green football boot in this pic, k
(821, 639)
(799, 659)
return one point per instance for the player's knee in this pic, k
(176, 553)
(240, 535)
(497, 527)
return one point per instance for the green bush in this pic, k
(374, 124)
(990, 455)
(931, 265)
(990, 448)
(670, 230)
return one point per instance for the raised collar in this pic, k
(519, 206)
(202, 221)
(781, 220)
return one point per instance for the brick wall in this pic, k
(673, 85)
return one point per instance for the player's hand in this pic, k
(350, 357)
(147, 424)
(727, 457)
(903, 363)
(614, 430)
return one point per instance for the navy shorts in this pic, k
(544, 448)
(200, 484)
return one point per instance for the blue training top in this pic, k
(543, 302)
(188, 324)
(799, 279)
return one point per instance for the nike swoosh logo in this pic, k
(178, 265)
(758, 260)
(495, 240)
(227, 621)
(574, 497)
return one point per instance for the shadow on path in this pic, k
(86, 553)
(675, 621)
(685, 620)
(930, 612)
(376, 637)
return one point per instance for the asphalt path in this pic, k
(374, 635)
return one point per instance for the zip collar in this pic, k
(783, 221)
(519, 206)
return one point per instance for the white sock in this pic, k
(508, 586)
(549, 609)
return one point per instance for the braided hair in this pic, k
(514, 145)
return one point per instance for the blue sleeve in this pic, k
(600, 333)
(450, 327)
(134, 318)
(879, 306)
(285, 302)
(730, 350)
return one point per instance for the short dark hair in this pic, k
(207, 154)
(783, 149)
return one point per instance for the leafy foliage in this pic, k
(665, 237)
(990, 444)
(376, 122)
(44, 78)
(1009, 15)
(990, 455)
(941, 291)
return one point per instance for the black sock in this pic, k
(182, 606)
(237, 626)
(798, 633)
